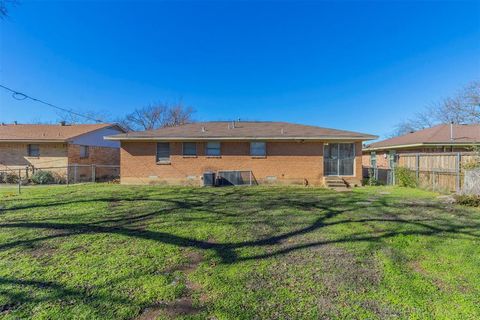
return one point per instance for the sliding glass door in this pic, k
(339, 159)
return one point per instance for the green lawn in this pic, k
(121, 252)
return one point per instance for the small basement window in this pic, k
(163, 152)
(189, 148)
(258, 149)
(213, 148)
(34, 150)
(84, 152)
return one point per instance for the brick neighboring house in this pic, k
(54, 147)
(274, 152)
(439, 139)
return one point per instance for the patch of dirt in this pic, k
(415, 265)
(114, 203)
(183, 305)
(323, 272)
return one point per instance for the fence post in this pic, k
(93, 173)
(457, 172)
(68, 174)
(75, 173)
(417, 166)
(19, 181)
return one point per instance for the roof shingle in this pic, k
(223, 130)
(45, 132)
(462, 133)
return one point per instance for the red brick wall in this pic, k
(97, 155)
(288, 162)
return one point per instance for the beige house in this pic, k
(29, 147)
(267, 152)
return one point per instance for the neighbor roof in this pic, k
(463, 134)
(47, 132)
(243, 130)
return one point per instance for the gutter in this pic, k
(403, 146)
(36, 141)
(123, 138)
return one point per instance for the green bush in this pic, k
(371, 181)
(405, 177)
(43, 177)
(11, 177)
(468, 200)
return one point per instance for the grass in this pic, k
(119, 252)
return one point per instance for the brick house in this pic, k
(438, 139)
(55, 147)
(272, 152)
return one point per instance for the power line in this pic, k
(22, 96)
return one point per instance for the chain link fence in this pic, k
(76, 173)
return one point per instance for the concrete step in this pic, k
(336, 183)
(333, 185)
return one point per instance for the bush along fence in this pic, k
(75, 173)
(447, 172)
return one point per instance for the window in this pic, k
(213, 149)
(189, 148)
(34, 150)
(373, 159)
(258, 149)
(163, 152)
(84, 152)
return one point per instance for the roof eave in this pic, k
(424, 144)
(319, 138)
(33, 140)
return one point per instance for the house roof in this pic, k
(243, 130)
(47, 132)
(463, 134)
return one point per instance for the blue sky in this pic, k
(360, 66)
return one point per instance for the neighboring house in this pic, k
(274, 152)
(54, 147)
(438, 139)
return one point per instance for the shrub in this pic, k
(43, 177)
(468, 200)
(405, 177)
(475, 162)
(11, 177)
(59, 179)
(370, 180)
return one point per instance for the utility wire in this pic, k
(22, 96)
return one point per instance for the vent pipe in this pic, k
(451, 131)
(203, 129)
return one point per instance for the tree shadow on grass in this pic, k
(330, 211)
(226, 251)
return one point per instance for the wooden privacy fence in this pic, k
(438, 171)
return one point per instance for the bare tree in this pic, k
(464, 107)
(4, 4)
(156, 116)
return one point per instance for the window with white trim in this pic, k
(213, 148)
(258, 149)
(373, 159)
